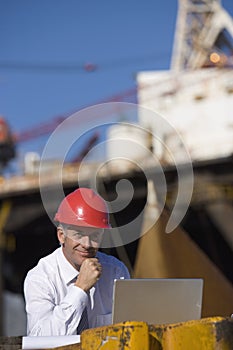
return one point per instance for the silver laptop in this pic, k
(156, 300)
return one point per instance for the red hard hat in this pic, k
(83, 207)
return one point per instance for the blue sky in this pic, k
(46, 44)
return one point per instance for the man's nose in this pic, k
(85, 241)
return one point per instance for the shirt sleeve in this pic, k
(124, 272)
(44, 316)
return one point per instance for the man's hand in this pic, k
(90, 272)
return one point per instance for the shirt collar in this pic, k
(67, 271)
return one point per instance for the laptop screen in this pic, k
(157, 301)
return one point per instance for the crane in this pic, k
(203, 37)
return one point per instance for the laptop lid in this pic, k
(157, 301)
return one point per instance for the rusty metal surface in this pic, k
(11, 343)
(126, 335)
(208, 334)
(214, 333)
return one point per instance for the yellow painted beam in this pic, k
(213, 333)
(4, 214)
(126, 335)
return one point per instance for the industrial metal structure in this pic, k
(195, 98)
(195, 95)
(203, 31)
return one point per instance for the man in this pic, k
(72, 288)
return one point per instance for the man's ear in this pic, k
(60, 235)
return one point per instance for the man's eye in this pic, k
(95, 236)
(77, 235)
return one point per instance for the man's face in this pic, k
(79, 243)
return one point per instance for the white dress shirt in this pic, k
(54, 305)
